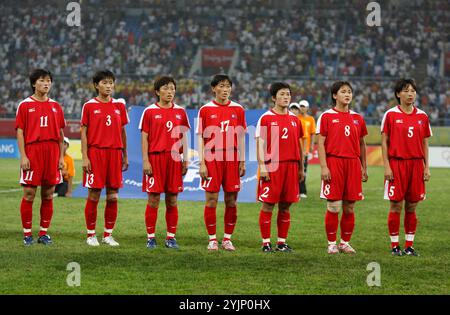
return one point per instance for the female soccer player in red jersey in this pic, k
(279, 136)
(164, 126)
(405, 131)
(342, 154)
(104, 151)
(221, 130)
(39, 124)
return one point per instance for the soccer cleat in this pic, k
(45, 239)
(303, 196)
(213, 245)
(267, 248)
(28, 240)
(346, 248)
(92, 241)
(283, 247)
(397, 251)
(332, 249)
(109, 240)
(151, 243)
(410, 251)
(172, 243)
(228, 245)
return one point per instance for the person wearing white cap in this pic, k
(68, 172)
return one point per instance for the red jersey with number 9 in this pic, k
(343, 131)
(104, 122)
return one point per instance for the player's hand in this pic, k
(203, 171)
(61, 163)
(68, 195)
(325, 174)
(365, 175)
(147, 167)
(241, 168)
(25, 163)
(87, 165)
(125, 163)
(426, 174)
(301, 174)
(264, 174)
(388, 175)
(184, 167)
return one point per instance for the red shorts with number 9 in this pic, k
(167, 174)
(346, 180)
(408, 183)
(106, 165)
(282, 186)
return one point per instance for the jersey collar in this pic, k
(218, 104)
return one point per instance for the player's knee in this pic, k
(153, 200)
(171, 201)
(410, 206)
(334, 206)
(29, 195)
(396, 206)
(112, 197)
(94, 194)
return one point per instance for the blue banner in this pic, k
(132, 179)
(9, 149)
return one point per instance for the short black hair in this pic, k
(161, 81)
(275, 87)
(337, 86)
(401, 84)
(219, 78)
(101, 75)
(36, 74)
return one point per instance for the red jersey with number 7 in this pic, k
(406, 132)
(40, 121)
(343, 131)
(104, 122)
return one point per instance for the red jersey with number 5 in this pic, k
(406, 132)
(104, 122)
(343, 131)
(227, 120)
(40, 121)
(164, 126)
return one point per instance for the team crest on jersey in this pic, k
(178, 117)
(399, 121)
(117, 112)
(294, 124)
(97, 111)
(419, 122)
(233, 116)
(335, 121)
(158, 116)
(356, 122)
(32, 110)
(213, 116)
(54, 110)
(274, 123)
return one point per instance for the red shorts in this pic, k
(282, 186)
(106, 165)
(346, 180)
(167, 174)
(44, 171)
(222, 173)
(408, 183)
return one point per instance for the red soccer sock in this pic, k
(283, 224)
(230, 220)
(151, 216)
(26, 214)
(331, 225)
(410, 224)
(171, 220)
(210, 220)
(265, 219)
(90, 214)
(394, 227)
(46, 215)
(110, 217)
(347, 226)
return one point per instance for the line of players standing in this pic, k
(221, 131)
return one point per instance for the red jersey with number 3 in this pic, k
(40, 121)
(215, 118)
(164, 126)
(406, 132)
(104, 122)
(281, 134)
(343, 131)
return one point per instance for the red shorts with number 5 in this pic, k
(408, 183)
(346, 180)
(44, 158)
(282, 186)
(167, 174)
(106, 165)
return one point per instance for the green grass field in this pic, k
(132, 269)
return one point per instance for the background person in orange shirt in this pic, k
(309, 130)
(65, 188)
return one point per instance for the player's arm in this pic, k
(24, 161)
(124, 150)
(201, 157)
(388, 175)
(325, 172)
(313, 138)
(84, 149)
(241, 152)
(426, 173)
(301, 171)
(146, 166)
(363, 159)
(185, 153)
(61, 149)
(260, 149)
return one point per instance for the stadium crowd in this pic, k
(307, 44)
